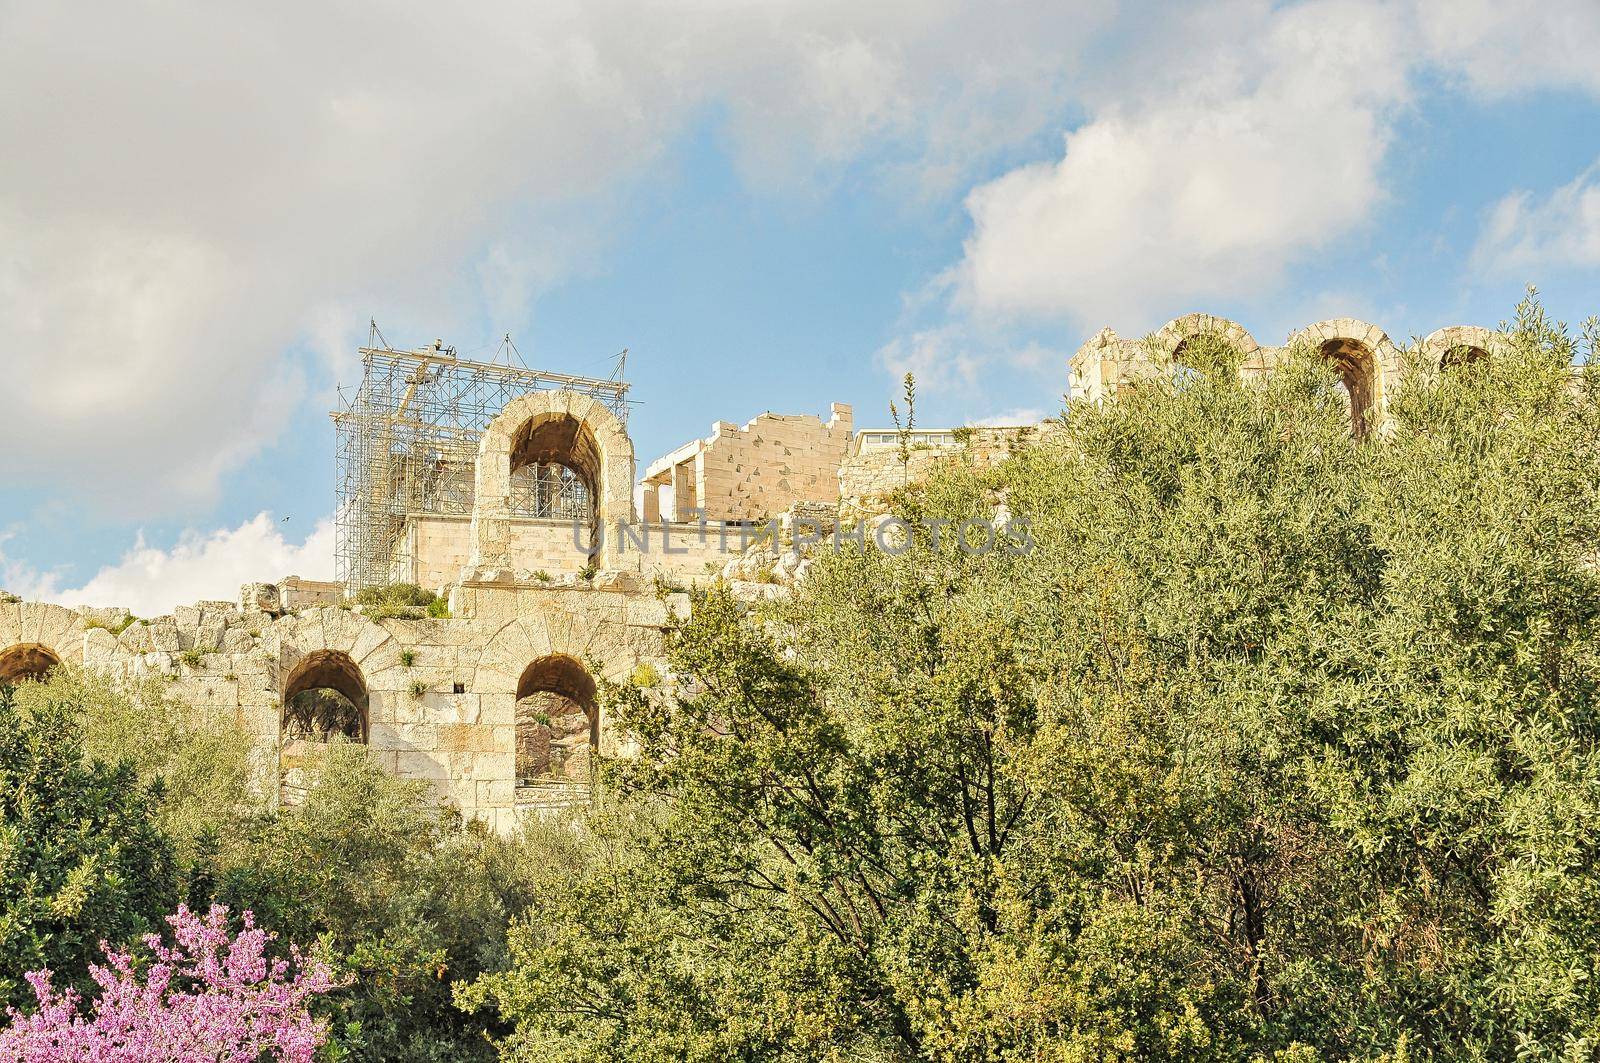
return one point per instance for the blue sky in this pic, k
(773, 206)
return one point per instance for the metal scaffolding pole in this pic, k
(406, 443)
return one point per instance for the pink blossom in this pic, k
(210, 997)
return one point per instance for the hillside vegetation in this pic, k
(1277, 745)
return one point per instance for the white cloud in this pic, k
(1245, 156)
(1525, 233)
(202, 566)
(1502, 47)
(1011, 418)
(940, 359)
(192, 191)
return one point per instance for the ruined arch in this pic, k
(557, 719)
(326, 670)
(1363, 358)
(555, 468)
(551, 428)
(25, 661)
(1462, 345)
(1174, 336)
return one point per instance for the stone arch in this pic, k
(25, 661)
(1462, 345)
(331, 670)
(550, 427)
(558, 719)
(1365, 361)
(1172, 337)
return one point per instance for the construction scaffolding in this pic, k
(407, 445)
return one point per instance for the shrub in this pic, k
(201, 759)
(209, 995)
(439, 609)
(1278, 744)
(407, 898)
(418, 688)
(408, 658)
(404, 600)
(645, 675)
(81, 859)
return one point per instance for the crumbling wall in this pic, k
(441, 694)
(868, 478)
(750, 472)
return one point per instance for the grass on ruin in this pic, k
(406, 601)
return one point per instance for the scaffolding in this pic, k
(406, 444)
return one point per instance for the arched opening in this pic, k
(555, 470)
(1357, 371)
(1461, 354)
(26, 661)
(325, 696)
(1185, 372)
(558, 720)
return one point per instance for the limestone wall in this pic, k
(1368, 363)
(686, 553)
(867, 478)
(441, 693)
(750, 472)
(432, 549)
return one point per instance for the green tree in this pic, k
(1277, 742)
(81, 859)
(202, 760)
(402, 896)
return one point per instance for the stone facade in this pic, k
(440, 696)
(560, 427)
(432, 549)
(751, 472)
(1366, 360)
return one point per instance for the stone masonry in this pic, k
(537, 616)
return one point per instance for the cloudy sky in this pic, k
(773, 205)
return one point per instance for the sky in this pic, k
(772, 206)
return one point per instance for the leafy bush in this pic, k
(81, 859)
(406, 899)
(1278, 744)
(405, 600)
(202, 762)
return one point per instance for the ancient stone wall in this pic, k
(431, 549)
(440, 695)
(1366, 361)
(750, 472)
(867, 478)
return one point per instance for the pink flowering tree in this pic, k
(211, 995)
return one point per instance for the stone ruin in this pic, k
(495, 705)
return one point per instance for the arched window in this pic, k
(26, 661)
(1357, 370)
(558, 720)
(1461, 354)
(324, 696)
(551, 491)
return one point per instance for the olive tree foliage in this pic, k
(396, 892)
(81, 858)
(203, 761)
(1278, 744)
